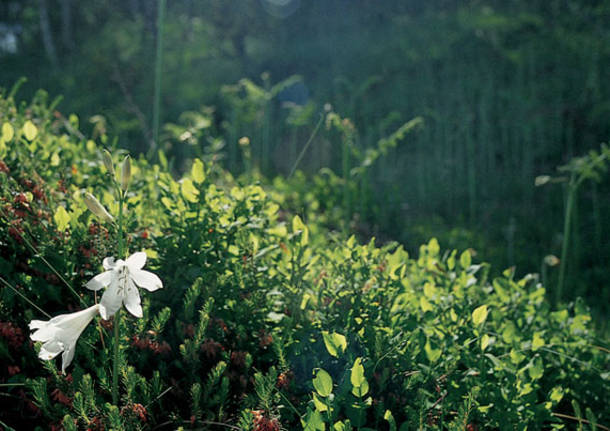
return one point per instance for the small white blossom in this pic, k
(61, 333)
(120, 280)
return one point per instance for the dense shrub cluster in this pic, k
(266, 321)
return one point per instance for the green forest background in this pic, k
(502, 92)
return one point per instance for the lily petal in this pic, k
(50, 349)
(108, 263)
(136, 261)
(146, 280)
(111, 300)
(67, 356)
(99, 281)
(132, 299)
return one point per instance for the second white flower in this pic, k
(120, 279)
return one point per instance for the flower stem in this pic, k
(572, 187)
(117, 316)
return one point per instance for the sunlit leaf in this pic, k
(61, 218)
(479, 315)
(29, 130)
(335, 343)
(323, 383)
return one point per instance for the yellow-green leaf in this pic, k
(62, 218)
(425, 304)
(298, 225)
(29, 130)
(465, 259)
(485, 339)
(556, 394)
(323, 383)
(7, 132)
(357, 375)
(189, 191)
(432, 353)
(362, 390)
(318, 404)
(433, 247)
(536, 370)
(479, 315)
(537, 342)
(453, 315)
(335, 343)
(429, 290)
(198, 172)
(167, 203)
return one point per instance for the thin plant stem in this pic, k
(566, 238)
(345, 161)
(39, 255)
(307, 144)
(46, 262)
(579, 420)
(117, 316)
(25, 298)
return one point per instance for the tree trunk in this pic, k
(66, 24)
(45, 30)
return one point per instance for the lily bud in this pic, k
(126, 173)
(108, 162)
(542, 180)
(97, 208)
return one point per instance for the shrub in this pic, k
(266, 321)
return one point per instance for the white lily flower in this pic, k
(61, 333)
(120, 280)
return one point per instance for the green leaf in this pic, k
(465, 259)
(429, 290)
(62, 218)
(451, 260)
(479, 315)
(299, 226)
(425, 304)
(319, 404)
(29, 130)
(537, 341)
(433, 247)
(313, 421)
(390, 418)
(334, 343)
(323, 383)
(357, 375)
(432, 354)
(7, 132)
(362, 390)
(556, 394)
(485, 339)
(197, 171)
(189, 191)
(537, 369)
